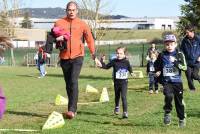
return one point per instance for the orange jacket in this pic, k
(77, 29)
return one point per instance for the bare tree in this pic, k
(94, 12)
(7, 17)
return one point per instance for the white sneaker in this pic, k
(156, 92)
(125, 115)
(40, 77)
(150, 91)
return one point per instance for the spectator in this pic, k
(71, 58)
(190, 46)
(150, 50)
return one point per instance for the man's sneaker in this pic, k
(167, 119)
(156, 91)
(125, 115)
(69, 115)
(116, 110)
(182, 123)
(150, 91)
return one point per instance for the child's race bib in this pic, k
(170, 71)
(122, 74)
(152, 68)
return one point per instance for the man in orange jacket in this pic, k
(71, 58)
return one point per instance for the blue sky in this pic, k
(131, 8)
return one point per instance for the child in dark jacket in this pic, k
(168, 68)
(121, 67)
(153, 81)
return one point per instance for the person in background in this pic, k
(168, 68)
(121, 67)
(41, 61)
(150, 50)
(153, 82)
(190, 46)
(71, 57)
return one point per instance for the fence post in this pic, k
(143, 55)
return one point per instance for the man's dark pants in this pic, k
(192, 74)
(71, 69)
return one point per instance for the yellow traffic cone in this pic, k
(55, 120)
(104, 95)
(60, 100)
(90, 89)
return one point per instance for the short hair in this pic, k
(190, 28)
(71, 2)
(124, 49)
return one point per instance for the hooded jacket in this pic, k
(78, 30)
(170, 71)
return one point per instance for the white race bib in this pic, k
(122, 74)
(152, 69)
(170, 71)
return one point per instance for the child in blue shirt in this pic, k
(168, 68)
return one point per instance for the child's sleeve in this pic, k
(181, 62)
(130, 68)
(147, 69)
(158, 63)
(107, 66)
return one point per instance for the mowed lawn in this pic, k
(30, 100)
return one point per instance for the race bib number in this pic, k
(122, 74)
(170, 71)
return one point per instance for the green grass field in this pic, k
(30, 100)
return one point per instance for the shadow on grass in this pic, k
(28, 75)
(26, 114)
(94, 77)
(120, 122)
(193, 113)
(92, 113)
(81, 76)
(95, 121)
(138, 89)
(126, 122)
(55, 75)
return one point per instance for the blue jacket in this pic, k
(170, 71)
(191, 50)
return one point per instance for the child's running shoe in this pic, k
(156, 91)
(150, 91)
(125, 115)
(182, 123)
(116, 110)
(167, 119)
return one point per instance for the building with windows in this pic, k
(165, 23)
